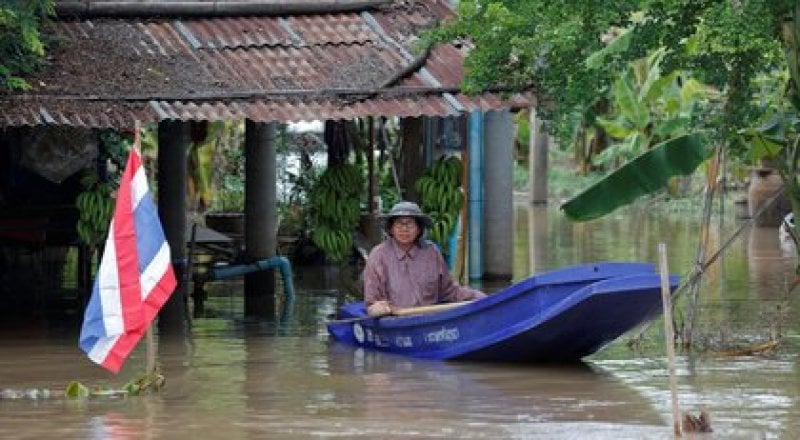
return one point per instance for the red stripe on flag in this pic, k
(152, 304)
(160, 294)
(127, 252)
(122, 348)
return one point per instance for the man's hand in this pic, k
(379, 308)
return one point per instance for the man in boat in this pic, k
(406, 270)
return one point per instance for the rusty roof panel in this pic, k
(303, 30)
(446, 65)
(161, 38)
(235, 32)
(331, 29)
(85, 114)
(106, 72)
(105, 114)
(405, 22)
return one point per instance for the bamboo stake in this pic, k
(669, 337)
(150, 354)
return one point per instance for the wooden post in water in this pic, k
(669, 337)
(151, 352)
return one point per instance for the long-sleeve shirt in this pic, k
(410, 279)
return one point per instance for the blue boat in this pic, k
(559, 316)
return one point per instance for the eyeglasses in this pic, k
(407, 223)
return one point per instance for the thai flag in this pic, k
(135, 277)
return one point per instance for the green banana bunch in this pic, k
(336, 198)
(441, 196)
(95, 209)
(335, 243)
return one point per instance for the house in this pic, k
(177, 62)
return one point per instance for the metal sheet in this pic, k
(108, 72)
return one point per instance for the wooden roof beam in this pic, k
(211, 8)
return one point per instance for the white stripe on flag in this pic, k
(138, 187)
(154, 271)
(108, 288)
(101, 348)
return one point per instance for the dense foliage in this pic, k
(544, 45)
(21, 47)
(577, 56)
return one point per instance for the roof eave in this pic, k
(211, 8)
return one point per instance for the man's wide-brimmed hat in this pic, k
(406, 209)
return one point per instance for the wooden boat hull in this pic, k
(558, 316)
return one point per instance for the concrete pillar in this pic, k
(538, 151)
(260, 230)
(498, 206)
(173, 143)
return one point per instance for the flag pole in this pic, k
(150, 355)
(136, 276)
(151, 351)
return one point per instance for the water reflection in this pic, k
(771, 270)
(497, 392)
(116, 426)
(537, 238)
(236, 378)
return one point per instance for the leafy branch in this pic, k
(22, 50)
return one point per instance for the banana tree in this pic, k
(651, 121)
(648, 108)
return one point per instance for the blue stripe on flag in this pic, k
(93, 328)
(149, 235)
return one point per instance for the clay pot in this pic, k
(764, 183)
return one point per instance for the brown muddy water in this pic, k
(236, 379)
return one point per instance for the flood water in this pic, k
(238, 379)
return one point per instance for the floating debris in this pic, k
(30, 393)
(76, 390)
(754, 349)
(701, 423)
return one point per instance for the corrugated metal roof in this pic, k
(108, 72)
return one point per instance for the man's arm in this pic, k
(375, 295)
(449, 291)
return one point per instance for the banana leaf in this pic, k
(616, 128)
(616, 46)
(627, 99)
(645, 174)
